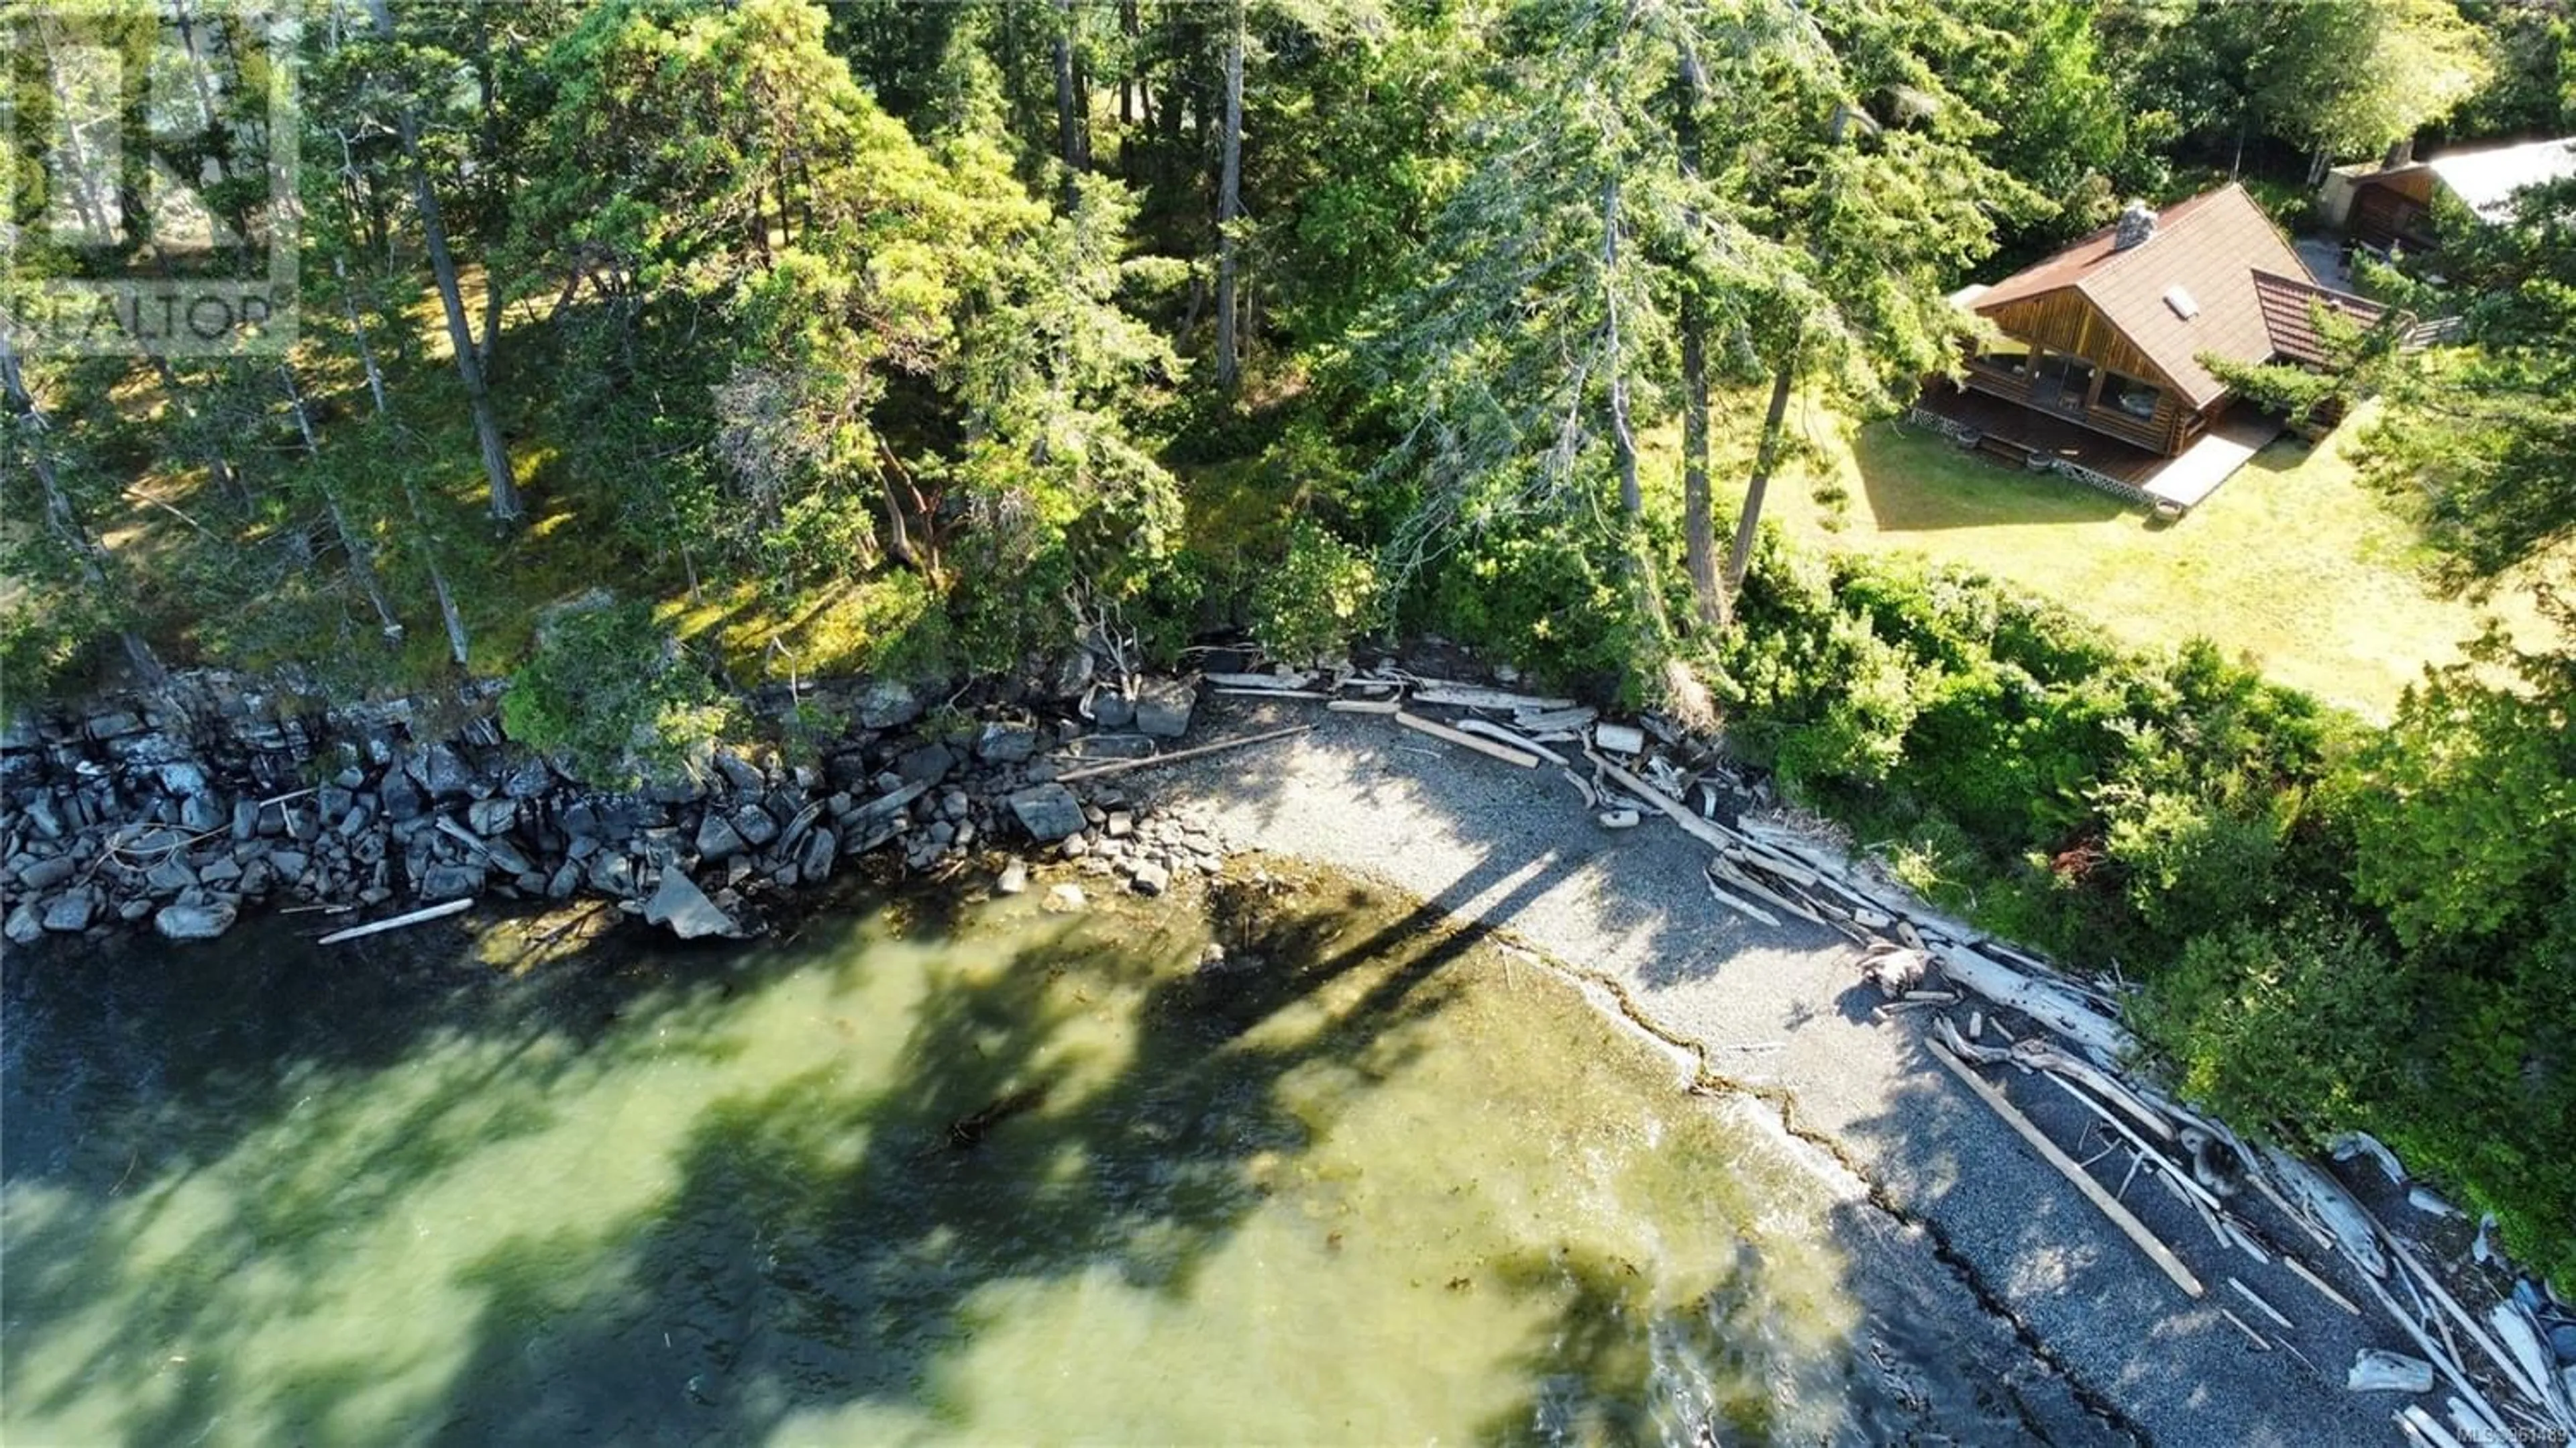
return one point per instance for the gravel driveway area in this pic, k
(1966, 1242)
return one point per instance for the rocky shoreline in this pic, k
(182, 812)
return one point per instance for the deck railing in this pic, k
(1967, 435)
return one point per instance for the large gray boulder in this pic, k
(1049, 812)
(452, 882)
(927, 764)
(529, 780)
(755, 825)
(194, 922)
(680, 904)
(1163, 707)
(717, 838)
(446, 774)
(1002, 743)
(205, 813)
(43, 814)
(739, 772)
(822, 847)
(402, 799)
(488, 817)
(46, 874)
(612, 873)
(26, 924)
(169, 876)
(887, 704)
(71, 913)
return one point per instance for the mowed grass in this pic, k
(2293, 561)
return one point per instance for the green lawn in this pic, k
(2292, 561)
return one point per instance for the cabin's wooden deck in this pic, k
(2013, 433)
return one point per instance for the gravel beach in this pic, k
(1966, 1242)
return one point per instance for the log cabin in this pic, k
(2090, 360)
(2391, 206)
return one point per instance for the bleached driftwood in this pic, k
(2042, 1056)
(2347, 1145)
(2534, 1387)
(1440, 731)
(2260, 1343)
(1259, 681)
(1121, 766)
(416, 917)
(2052, 1005)
(2267, 1309)
(2425, 1428)
(2521, 1337)
(1501, 735)
(1549, 721)
(1702, 830)
(1745, 908)
(2121, 1217)
(1469, 696)
(1364, 706)
(1619, 739)
(1263, 692)
(2320, 1284)
(2377, 1370)
(1619, 819)
(2332, 1207)
(1744, 880)
(2443, 1361)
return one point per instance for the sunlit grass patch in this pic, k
(2294, 561)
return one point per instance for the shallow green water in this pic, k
(1001, 1176)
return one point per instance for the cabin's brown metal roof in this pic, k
(2211, 246)
(2286, 302)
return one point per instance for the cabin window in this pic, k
(2064, 382)
(2003, 354)
(2129, 395)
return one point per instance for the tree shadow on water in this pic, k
(827, 1248)
(1093, 1102)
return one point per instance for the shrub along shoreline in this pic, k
(2334, 927)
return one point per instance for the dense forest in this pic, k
(647, 351)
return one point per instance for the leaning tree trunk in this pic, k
(1623, 442)
(451, 297)
(1699, 531)
(1699, 528)
(1229, 202)
(448, 613)
(361, 558)
(358, 335)
(1740, 556)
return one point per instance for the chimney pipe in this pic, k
(2135, 226)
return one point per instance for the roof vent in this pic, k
(2136, 224)
(2181, 302)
